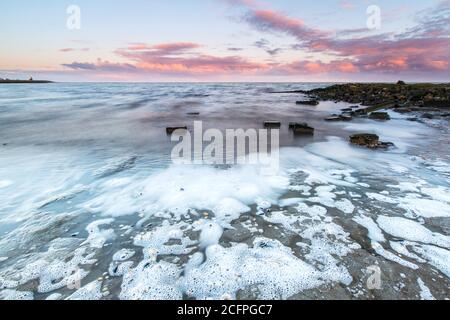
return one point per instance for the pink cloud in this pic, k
(423, 49)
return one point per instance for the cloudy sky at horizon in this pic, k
(226, 40)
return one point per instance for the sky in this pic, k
(225, 40)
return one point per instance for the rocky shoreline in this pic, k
(372, 100)
(433, 99)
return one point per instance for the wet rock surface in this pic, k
(388, 95)
(368, 140)
(308, 102)
(301, 129)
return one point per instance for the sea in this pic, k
(92, 205)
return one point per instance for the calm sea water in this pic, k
(91, 206)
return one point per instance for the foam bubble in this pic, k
(97, 238)
(151, 281)
(437, 257)
(16, 295)
(91, 291)
(411, 230)
(375, 233)
(425, 207)
(179, 189)
(268, 265)
(425, 293)
(392, 257)
(123, 255)
(210, 234)
(157, 240)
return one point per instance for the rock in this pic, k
(360, 112)
(193, 113)
(301, 129)
(427, 116)
(272, 124)
(401, 83)
(347, 110)
(333, 118)
(308, 102)
(342, 117)
(369, 140)
(345, 117)
(385, 145)
(365, 140)
(379, 116)
(171, 130)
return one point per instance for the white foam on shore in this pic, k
(157, 240)
(426, 208)
(425, 293)
(323, 241)
(210, 234)
(327, 197)
(179, 189)
(412, 231)
(268, 266)
(97, 237)
(437, 257)
(392, 257)
(91, 291)
(123, 255)
(9, 294)
(375, 234)
(57, 268)
(151, 281)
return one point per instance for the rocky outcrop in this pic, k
(272, 124)
(387, 95)
(171, 130)
(308, 102)
(368, 140)
(301, 129)
(380, 116)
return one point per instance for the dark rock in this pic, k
(360, 112)
(369, 140)
(171, 130)
(272, 124)
(341, 117)
(345, 117)
(347, 110)
(301, 129)
(427, 116)
(365, 140)
(379, 116)
(333, 118)
(386, 145)
(193, 113)
(386, 95)
(308, 102)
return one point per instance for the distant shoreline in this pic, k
(24, 81)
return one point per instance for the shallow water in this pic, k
(91, 206)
